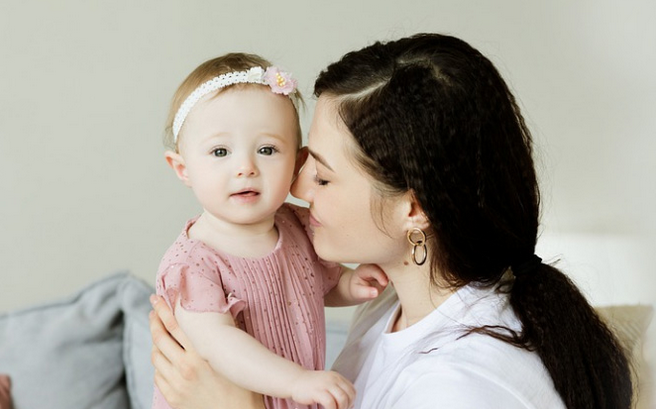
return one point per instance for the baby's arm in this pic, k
(249, 364)
(364, 283)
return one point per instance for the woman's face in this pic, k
(340, 198)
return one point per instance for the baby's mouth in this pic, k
(246, 193)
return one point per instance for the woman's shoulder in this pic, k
(454, 345)
(480, 371)
(471, 369)
(483, 354)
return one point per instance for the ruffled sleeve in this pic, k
(198, 286)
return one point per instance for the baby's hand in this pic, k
(367, 282)
(327, 388)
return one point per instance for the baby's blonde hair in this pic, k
(213, 68)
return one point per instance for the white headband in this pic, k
(280, 82)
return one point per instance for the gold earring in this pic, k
(418, 243)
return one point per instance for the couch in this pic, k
(92, 349)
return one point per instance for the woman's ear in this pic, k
(414, 214)
(177, 163)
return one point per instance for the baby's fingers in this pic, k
(342, 394)
(365, 291)
(378, 276)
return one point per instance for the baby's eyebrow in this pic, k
(320, 159)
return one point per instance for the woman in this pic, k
(420, 162)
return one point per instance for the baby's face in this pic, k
(240, 149)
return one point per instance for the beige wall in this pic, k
(85, 85)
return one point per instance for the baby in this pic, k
(243, 279)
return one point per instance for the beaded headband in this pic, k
(280, 82)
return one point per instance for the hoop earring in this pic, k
(420, 243)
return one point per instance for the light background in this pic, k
(85, 87)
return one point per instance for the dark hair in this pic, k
(432, 115)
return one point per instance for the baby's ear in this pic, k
(177, 163)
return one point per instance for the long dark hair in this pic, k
(431, 115)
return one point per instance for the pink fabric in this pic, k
(278, 299)
(5, 392)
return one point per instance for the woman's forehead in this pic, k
(326, 137)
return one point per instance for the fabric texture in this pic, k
(278, 299)
(430, 364)
(67, 354)
(137, 344)
(89, 350)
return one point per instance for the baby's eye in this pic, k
(267, 150)
(220, 152)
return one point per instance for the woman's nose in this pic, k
(302, 186)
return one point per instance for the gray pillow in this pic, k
(137, 342)
(67, 354)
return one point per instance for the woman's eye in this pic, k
(319, 181)
(220, 152)
(266, 150)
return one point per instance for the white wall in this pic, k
(85, 86)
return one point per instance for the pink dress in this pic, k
(278, 299)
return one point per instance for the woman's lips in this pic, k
(314, 222)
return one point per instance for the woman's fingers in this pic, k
(165, 315)
(162, 384)
(163, 367)
(171, 357)
(167, 392)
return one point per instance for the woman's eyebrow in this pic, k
(320, 159)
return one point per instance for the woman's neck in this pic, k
(418, 297)
(249, 241)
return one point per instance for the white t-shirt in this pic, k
(431, 365)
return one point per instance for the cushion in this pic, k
(67, 354)
(629, 323)
(137, 343)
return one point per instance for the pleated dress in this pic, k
(278, 298)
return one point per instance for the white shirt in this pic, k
(431, 365)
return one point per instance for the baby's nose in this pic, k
(246, 168)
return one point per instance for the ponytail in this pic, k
(583, 357)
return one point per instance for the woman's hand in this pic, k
(185, 379)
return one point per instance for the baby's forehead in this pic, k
(251, 106)
(214, 126)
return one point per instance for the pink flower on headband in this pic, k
(281, 82)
